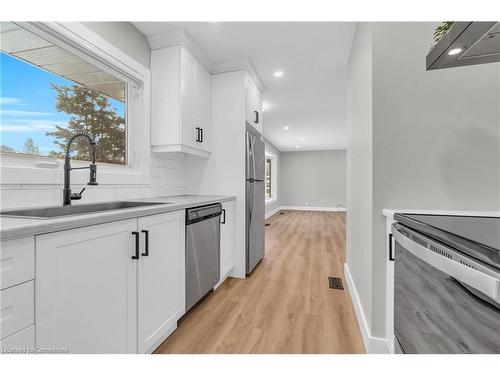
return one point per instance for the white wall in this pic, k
(126, 37)
(167, 172)
(436, 140)
(274, 205)
(436, 136)
(359, 168)
(313, 178)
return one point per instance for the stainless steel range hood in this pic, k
(466, 43)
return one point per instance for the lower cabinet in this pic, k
(22, 342)
(107, 288)
(161, 296)
(227, 239)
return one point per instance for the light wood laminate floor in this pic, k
(285, 306)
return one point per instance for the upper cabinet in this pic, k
(180, 103)
(253, 104)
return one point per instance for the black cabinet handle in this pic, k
(136, 256)
(146, 243)
(391, 252)
(201, 138)
(198, 134)
(223, 216)
(256, 116)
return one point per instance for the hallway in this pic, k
(285, 306)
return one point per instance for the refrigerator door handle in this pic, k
(250, 201)
(249, 155)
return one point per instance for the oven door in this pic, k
(444, 301)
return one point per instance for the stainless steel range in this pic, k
(446, 284)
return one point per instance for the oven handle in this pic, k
(486, 284)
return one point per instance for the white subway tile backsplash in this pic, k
(30, 197)
(95, 193)
(10, 186)
(157, 162)
(168, 177)
(176, 156)
(132, 193)
(175, 164)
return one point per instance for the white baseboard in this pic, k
(303, 208)
(309, 208)
(271, 213)
(373, 345)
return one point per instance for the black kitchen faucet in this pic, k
(67, 196)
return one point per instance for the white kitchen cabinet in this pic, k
(202, 104)
(17, 261)
(253, 105)
(111, 288)
(161, 279)
(20, 342)
(16, 308)
(227, 229)
(180, 103)
(86, 289)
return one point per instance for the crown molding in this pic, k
(180, 37)
(235, 65)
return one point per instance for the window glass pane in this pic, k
(268, 178)
(48, 95)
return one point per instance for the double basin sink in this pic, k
(62, 211)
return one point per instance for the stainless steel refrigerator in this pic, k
(255, 198)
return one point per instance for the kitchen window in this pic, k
(271, 178)
(60, 78)
(269, 184)
(49, 94)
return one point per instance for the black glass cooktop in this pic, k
(475, 235)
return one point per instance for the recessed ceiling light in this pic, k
(286, 127)
(278, 73)
(301, 139)
(455, 51)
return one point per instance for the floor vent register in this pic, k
(335, 283)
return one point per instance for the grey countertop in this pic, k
(11, 228)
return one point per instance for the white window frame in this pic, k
(82, 42)
(274, 178)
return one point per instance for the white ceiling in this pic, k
(310, 97)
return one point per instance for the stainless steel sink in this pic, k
(61, 211)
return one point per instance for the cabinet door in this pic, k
(259, 102)
(254, 104)
(202, 104)
(86, 289)
(251, 101)
(161, 278)
(188, 100)
(227, 239)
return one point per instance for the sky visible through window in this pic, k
(27, 105)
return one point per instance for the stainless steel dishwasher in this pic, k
(202, 251)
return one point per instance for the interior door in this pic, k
(255, 234)
(160, 278)
(86, 289)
